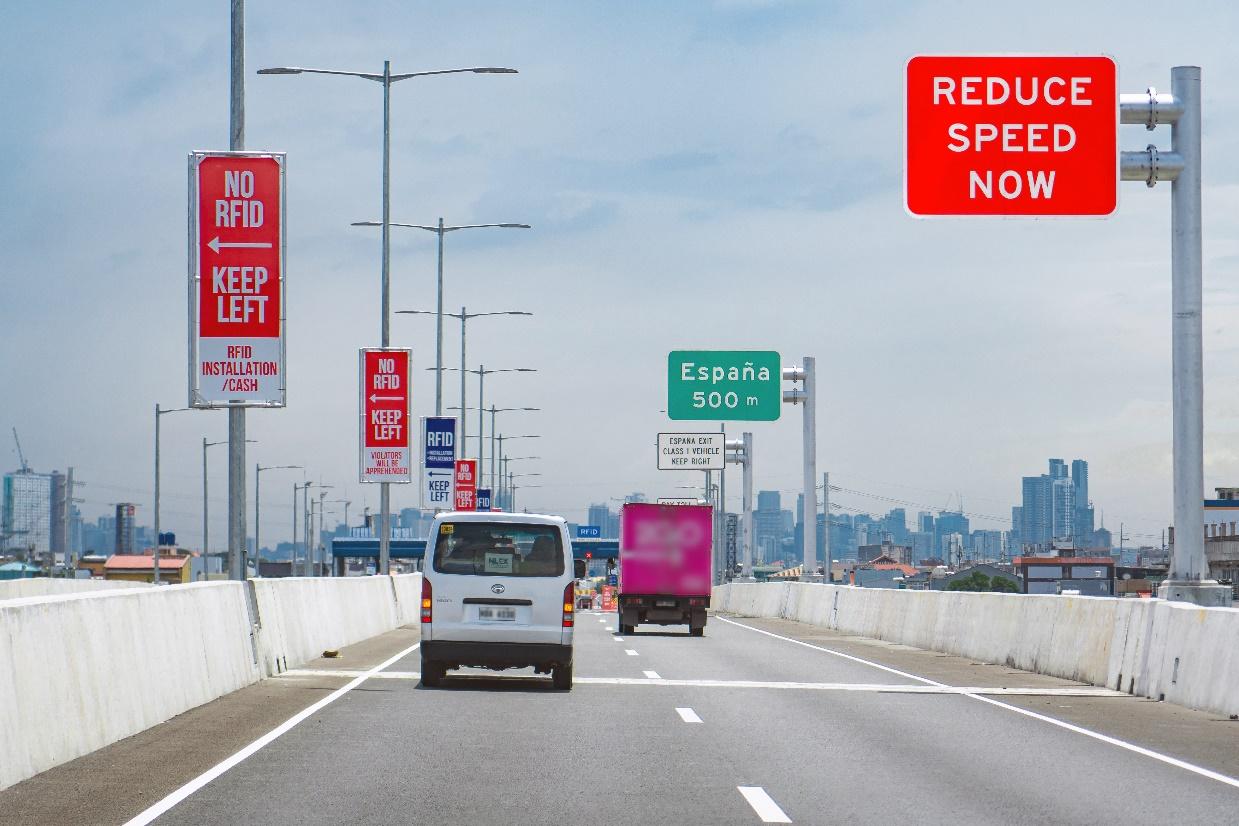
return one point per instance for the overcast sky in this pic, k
(698, 175)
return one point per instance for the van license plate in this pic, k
(488, 614)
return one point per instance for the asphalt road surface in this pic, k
(759, 721)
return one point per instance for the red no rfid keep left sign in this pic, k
(997, 135)
(386, 393)
(236, 230)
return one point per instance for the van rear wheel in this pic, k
(561, 677)
(432, 673)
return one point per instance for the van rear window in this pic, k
(498, 549)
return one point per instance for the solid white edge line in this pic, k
(158, 809)
(764, 805)
(1096, 735)
(688, 715)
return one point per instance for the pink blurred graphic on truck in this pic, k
(665, 564)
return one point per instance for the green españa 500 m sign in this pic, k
(724, 385)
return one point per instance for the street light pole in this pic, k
(439, 328)
(387, 78)
(206, 528)
(206, 547)
(258, 469)
(158, 412)
(464, 315)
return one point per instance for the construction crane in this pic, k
(21, 456)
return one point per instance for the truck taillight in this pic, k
(696, 602)
(426, 600)
(568, 589)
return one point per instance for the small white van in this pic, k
(497, 592)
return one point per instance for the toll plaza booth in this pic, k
(602, 560)
(601, 555)
(344, 549)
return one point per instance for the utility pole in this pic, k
(826, 525)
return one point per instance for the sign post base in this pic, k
(1206, 593)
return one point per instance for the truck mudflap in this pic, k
(655, 609)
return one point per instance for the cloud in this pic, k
(714, 176)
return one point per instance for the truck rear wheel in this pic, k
(561, 677)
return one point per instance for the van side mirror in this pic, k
(579, 569)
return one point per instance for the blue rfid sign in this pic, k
(483, 499)
(438, 461)
(588, 532)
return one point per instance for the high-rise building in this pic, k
(1082, 508)
(600, 515)
(949, 523)
(1050, 507)
(124, 527)
(27, 512)
(896, 524)
(768, 527)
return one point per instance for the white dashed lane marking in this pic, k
(870, 688)
(763, 804)
(688, 715)
(651, 675)
(630, 652)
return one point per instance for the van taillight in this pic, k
(426, 599)
(568, 591)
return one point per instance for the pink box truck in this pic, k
(665, 569)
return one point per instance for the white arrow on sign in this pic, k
(374, 398)
(215, 244)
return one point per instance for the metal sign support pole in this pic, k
(236, 415)
(742, 454)
(720, 514)
(749, 528)
(807, 396)
(384, 487)
(1188, 579)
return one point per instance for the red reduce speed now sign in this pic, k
(996, 135)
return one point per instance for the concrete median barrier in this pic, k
(299, 618)
(1179, 653)
(81, 671)
(46, 587)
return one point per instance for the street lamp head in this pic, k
(281, 70)
(493, 70)
(515, 226)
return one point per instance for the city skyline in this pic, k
(593, 160)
